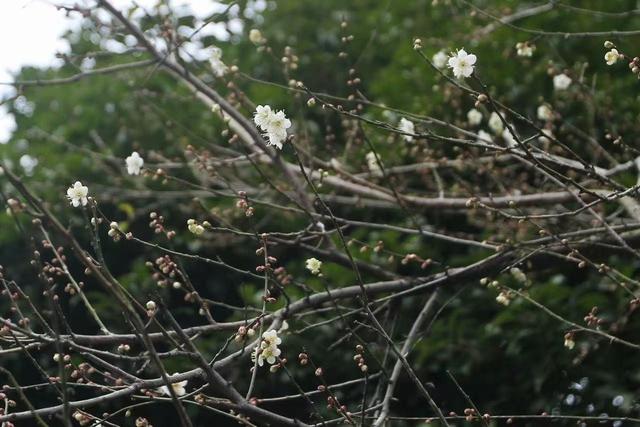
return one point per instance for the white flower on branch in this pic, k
(547, 136)
(194, 227)
(284, 327)
(215, 60)
(509, 138)
(372, 164)
(255, 37)
(406, 126)
(561, 82)
(134, 163)
(474, 117)
(462, 63)
(484, 137)
(545, 113)
(495, 123)
(268, 349)
(77, 194)
(274, 125)
(440, 60)
(525, 49)
(518, 274)
(262, 116)
(569, 341)
(612, 56)
(277, 130)
(503, 298)
(178, 388)
(314, 265)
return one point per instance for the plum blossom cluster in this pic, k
(525, 49)
(244, 332)
(504, 298)
(273, 124)
(196, 228)
(114, 231)
(268, 349)
(612, 56)
(359, 358)
(314, 265)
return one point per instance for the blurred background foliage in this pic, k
(511, 359)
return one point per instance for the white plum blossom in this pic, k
(284, 327)
(406, 126)
(474, 117)
(546, 136)
(484, 137)
(255, 36)
(178, 388)
(269, 354)
(503, 298)
(569, 342)
(612, 56)
(262, 116)
(274, 125)
(277, 130)
(215, 60)
(561, 81)
(440, 59)
(271, 338)
(134, 163)
(372, 164)
(194, 227)
(495, 123)
(462, 63)
(509, 138)
(518, 274)
(77, 194)
(314, 265)
(545, 113)
(268, 349)
(525, 49)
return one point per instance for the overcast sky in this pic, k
(30, 32)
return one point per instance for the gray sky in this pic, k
(31, 29)
(23, 45)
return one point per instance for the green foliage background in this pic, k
(510, 360)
